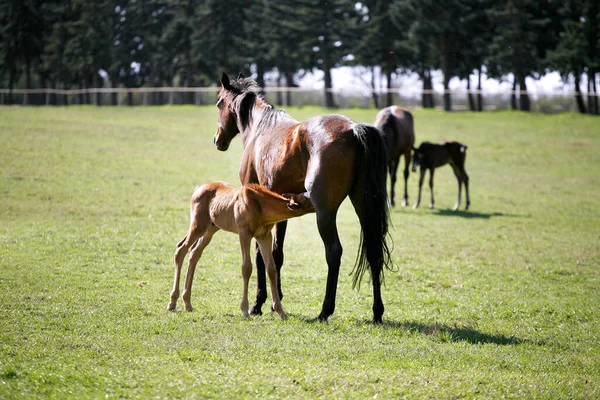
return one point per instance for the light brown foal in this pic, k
(251, 211)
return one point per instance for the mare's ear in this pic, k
(241, 76)
(225, 81)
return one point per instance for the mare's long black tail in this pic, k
(371, 170)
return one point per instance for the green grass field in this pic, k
(499, 301)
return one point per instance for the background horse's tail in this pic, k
(371, 170)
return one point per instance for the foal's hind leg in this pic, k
(461, 177)
(432, 204)
(393, 168)
(182, 249)
(193, 261)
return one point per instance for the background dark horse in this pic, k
(398, 127)
(331, 157)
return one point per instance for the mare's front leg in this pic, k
(245, 242)
(432, 204)
(261, 284)
(193, 261)
(266, 244)
(421, 179)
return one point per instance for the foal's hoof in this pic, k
(404, 203)
(171, 307)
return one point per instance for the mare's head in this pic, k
(235, 98)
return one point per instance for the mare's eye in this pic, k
(219, 103)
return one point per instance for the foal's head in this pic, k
(234, 101)
(418, 157)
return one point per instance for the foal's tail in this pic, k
(371, 170)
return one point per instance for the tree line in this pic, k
(65, 44)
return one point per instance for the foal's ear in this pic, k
(225, 81)
(292, 205)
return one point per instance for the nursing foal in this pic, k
(251, 211)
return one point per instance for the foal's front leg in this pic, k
(421, 179)
(266, 244)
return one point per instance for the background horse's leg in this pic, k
(266, 245)
(432, 204)
(193, 261)
(421, 179)
(459, 178)
(393, 167)
(466, 181)
(261, 284)
(407, 160)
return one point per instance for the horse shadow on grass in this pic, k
(448, 212)
(454, 333)
(441, 332)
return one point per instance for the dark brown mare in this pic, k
(430, 156)
(330, 157)
(397, 125)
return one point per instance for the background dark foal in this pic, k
(430, 156)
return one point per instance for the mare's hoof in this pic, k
(255, 310)
(323, 319)
(377, 321)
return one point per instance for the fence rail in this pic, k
(558, 101)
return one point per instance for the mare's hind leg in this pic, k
(326, 222)
(193, 261)
(266, 244)
(421, 179)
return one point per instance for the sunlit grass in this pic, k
(498, 301)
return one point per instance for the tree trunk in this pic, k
(470, 95)
(524, 104)
(578, 96)
(279, 94)
(427, 97)
(592, 98)
(289, 81)
(479, 94)
(328, 93)
(389, 95)
(373, 90)
(596, 105)
(260, 75)
(513, 95)
(114, 96)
